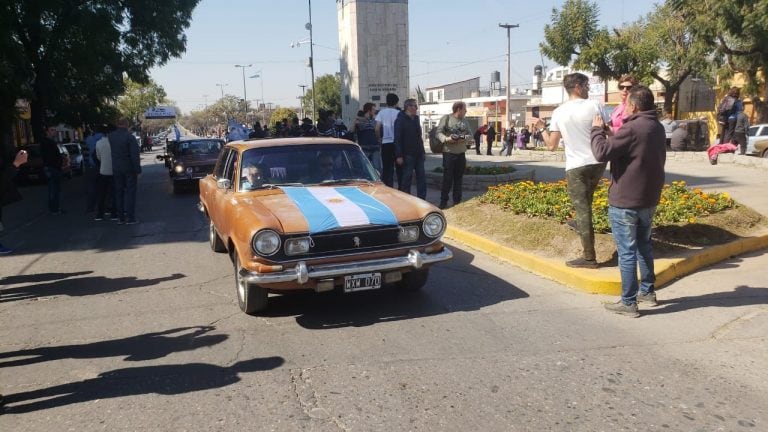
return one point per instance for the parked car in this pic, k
(755, 133)
(76, 158)
(189, 160)
(761, 147)
(311, 213)
(33, 170)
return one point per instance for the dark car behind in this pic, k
(189, 160)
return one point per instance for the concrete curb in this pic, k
(605, 280)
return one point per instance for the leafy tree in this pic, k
(281, 113)
(660, 46)
(138, 97)
(328, 96)
(73, 55)
(737, 31)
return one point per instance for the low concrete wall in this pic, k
(481, 182)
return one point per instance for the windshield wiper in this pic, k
(346, 180)
(276, 185)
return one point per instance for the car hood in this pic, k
(326, 208)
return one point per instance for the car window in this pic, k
(310, 164)
(200, 147)
(221, 163)
(72, 149)
(763, 131)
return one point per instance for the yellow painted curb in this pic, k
(605, 280)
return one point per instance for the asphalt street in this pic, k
(123, 328)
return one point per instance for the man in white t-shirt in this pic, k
(572, 121)
(385, 132)
(104, 181)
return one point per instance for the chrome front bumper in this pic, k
(302, 273)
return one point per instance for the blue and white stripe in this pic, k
(328, 208)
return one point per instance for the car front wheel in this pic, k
(765, 154)
(214, 240)
(414, 280)
(250, 297)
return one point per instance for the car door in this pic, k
(218, 198)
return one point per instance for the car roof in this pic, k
(281, 142)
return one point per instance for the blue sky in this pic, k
(450, 40)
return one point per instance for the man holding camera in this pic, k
(453, 131)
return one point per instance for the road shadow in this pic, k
(77, 287)
(171, 379)
(441, 295)
(39, 277)
(742, 295)
(148, 346)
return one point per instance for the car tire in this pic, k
(414, 280)
(250, 297)
(176, 188)
(214, 240)
(765, 154)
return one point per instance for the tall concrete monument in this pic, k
(373, 38)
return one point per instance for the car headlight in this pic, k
(408, 234)
(434, 225)
(266, 242)
(179, 169)
(297, 246)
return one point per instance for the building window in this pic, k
(376, 97)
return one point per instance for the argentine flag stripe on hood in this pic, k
(327, 208)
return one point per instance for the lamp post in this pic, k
(245, 96)
(221, 86)
(509, 43)
(259, 75)
(308, 26)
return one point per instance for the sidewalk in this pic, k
(743, 177)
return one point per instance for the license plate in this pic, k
(362, 282)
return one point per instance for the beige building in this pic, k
(373, 39)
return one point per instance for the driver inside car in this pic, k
(253, 177)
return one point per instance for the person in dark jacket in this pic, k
(409, 148)
(8, 192)
(637, 153)
(52, 163)
(125, 171)
(490, 138)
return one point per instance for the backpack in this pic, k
(434, 143)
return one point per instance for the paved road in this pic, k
(106, 327)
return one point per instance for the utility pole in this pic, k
(509, 45)
(311, 59)
(303, 88)
(221, 86)
(245, 97)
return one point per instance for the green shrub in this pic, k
(678, 203)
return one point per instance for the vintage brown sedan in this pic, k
(188, 160)
(311, 213)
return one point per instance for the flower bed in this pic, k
(678, 203)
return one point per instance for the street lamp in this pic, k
(245, 97)
(261, 79)
(308, 26)
(508, 27)
(221, 86)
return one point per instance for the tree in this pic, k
(72, 56)
(661, 46)
(138, 97)
(328, 96)
(737, 31)
(280, 114)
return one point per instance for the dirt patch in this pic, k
(551, 239)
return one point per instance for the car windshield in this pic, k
(72, 148)
(199, 147)
(323, 164)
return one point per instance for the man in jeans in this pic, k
(573, 121)
(409, 148)
(125, 171)
(453, 131)
(637, 154)
(52, 163)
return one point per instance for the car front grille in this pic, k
(353, 241)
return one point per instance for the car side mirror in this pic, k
(224, 183)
